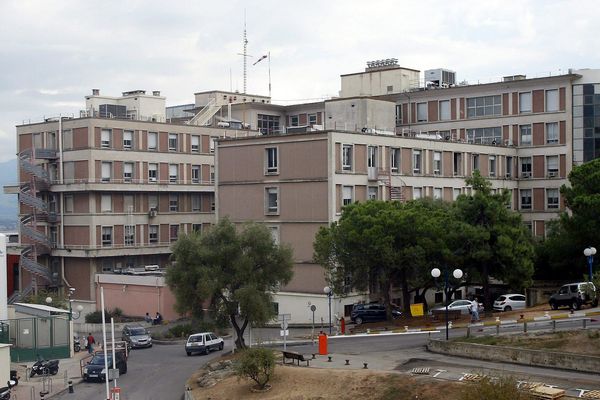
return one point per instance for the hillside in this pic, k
(8, 202)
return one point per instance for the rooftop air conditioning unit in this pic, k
(152, 212)
(552, 174)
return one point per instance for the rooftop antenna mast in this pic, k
(245, 54)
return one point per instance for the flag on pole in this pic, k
(260, 59)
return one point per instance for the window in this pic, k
(173, 232)
(372, 193)
(68, 203)
(174, 202)
(455, 193)
(312, 119)
(152, 172)
(195, 202)
(195, 144)
(552, 133)
(552, 166)
(421, 112)
(172, 142)
(106, 171)
(106, 203)
(212, 141)
(484, 106)
(525, 135)
(457, 164)
(197, 228)
(525, 167)
(416, 161)
(195, 174)
(212, 174)
(552, 100)
(128, 204)
(444, 110)
(509, 167)
(105, 135)
(129, 235)
(491, 135)
(127, 140)
(294, 120)
(107, 265)
(152, 140)
(107, 236)
(525, 102)
(417, 193)
(552, 198)
(346, 195)
(67, 139)
(371, 156)
(274, 234)
(268, 124)
(127, 172)
(437, 163)
(526, 199)
(398, 114)
(271, 160)
(475, 158)
(437, 193)
(173, 173)
(347, 157)
(153, 234)
(272, 200)
(395, 159)
(492, 165)
(390, 88)
(153, 201)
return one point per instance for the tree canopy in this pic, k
(231, 273)
(560, 256)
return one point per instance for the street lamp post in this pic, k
(589, 252)
(329, 292)
(457, 273)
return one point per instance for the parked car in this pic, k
(203, 343)
(575, 295)
(95, 370)
(370, 313)
(462, 305)
(508, 302)
(136, 336)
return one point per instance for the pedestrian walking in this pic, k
(474, 309)
(90, 343)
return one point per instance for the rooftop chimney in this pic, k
(95, 92)
(156, 93)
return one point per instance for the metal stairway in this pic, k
(38, 241)
(204, 116)
(396, 193)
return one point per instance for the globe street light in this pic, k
(457, 274)
(329, 292)
(589, 252)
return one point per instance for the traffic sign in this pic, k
(284, 324)
(283, 317)
(284, 333)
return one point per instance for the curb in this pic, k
(64, 390)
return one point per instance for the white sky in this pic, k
(52, 53)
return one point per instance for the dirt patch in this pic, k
(302, 383)
(579, 342)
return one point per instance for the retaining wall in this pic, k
(540, 358)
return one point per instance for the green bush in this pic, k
(256, 363)
(96, 317)
(184, 330)
(503, 388)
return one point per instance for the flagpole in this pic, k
(269, 56)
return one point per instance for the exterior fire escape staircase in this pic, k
(396, 193)
(37, 242)
(204, 116)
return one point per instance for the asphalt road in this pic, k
(156, 373)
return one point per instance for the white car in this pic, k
(203, 343)
(462, 305)
(508, 302)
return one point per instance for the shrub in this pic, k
(184, 330)
(256, 363)
(96, 317)
(503, 388)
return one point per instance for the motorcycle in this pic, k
(44, 367)
(76, 344)
(5, 391)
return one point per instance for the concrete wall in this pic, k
(574, 362)
(4, 363)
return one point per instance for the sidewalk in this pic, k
(31, 388)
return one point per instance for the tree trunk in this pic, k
(405, 293)
(487, 304)
(240, 344)
(387, 286)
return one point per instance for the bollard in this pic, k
(468, 331)
(554, 326)
(584, 323)
(313, 354)
(328, 358)
(71, 387)
(497, 329)
(347, 362)
(365, 366)
(525, 326)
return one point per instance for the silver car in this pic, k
(136, 337)
(463, 305)
(508, 302)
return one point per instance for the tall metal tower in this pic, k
(245, 54)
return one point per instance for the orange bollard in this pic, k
(322, 344)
